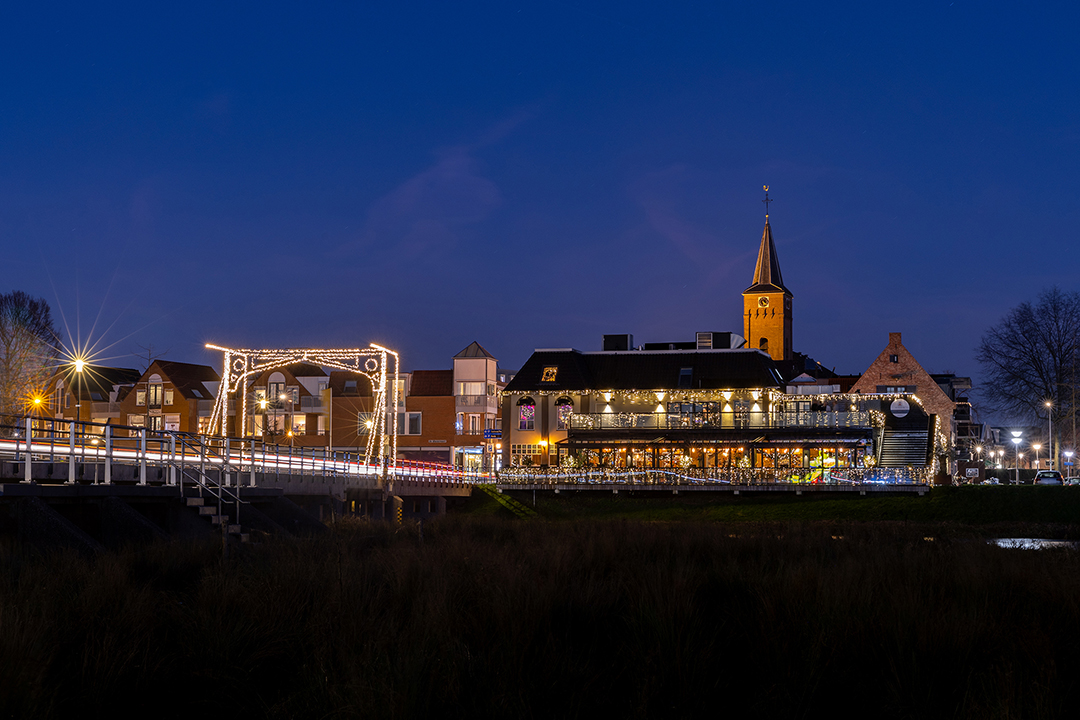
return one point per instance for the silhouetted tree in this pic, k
(29, 346)
(1030, 357)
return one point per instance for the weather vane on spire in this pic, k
(766, 201)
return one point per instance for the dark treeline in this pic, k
(492, 618)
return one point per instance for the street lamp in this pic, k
(80, 363)
(1068, 460)
(1036, 447)
(1017, 440)
(1050, 431)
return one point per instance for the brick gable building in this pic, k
(897, 371)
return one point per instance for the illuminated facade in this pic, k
(716, 407)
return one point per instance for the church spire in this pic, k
(767, 271)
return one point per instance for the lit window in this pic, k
(470, 388)
(527, 417)
(140, 398)
(563, 407)
(550, 371)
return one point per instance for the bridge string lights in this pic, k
(241, 365)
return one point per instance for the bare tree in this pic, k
(1030, 357)
(29, 347)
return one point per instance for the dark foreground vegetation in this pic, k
(1002, 509)
(492, 618)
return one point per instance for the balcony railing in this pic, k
(311, 403)
(106, 409)
(476, 400)
(719, 421)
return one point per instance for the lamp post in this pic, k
(1016, 441)
(1050, 431)
(1068, 460)
(79, 365)
(1036, 447)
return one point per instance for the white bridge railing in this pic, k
(48, 441)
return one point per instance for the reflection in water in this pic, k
(1034, 543)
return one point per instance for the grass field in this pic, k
(488, 617)
(1006, 509)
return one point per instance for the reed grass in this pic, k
(495, 618)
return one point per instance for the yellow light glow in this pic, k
(79, 365)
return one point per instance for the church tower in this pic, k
(767, 303)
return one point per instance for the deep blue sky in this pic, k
(536, 174)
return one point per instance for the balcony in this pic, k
(311, 404)
(489, 402)
(106, 409)
(719, 421)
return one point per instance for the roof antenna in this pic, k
(766, 201)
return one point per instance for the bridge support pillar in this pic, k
(397, 509)
(108, 454)
(27, 467)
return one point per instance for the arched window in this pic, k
(526, 413)
(563, 407)
(763, 345)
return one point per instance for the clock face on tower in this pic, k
(763, 302)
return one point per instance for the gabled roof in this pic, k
(302, 369)
(337, 381)
(96, 379)
(432, 383)
(186, 377)
(767, 277)
(644, 370)
(474, 350)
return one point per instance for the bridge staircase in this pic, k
(208, 492)
(904, 448)
(520, 510)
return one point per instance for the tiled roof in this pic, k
(96, 379)
(338, 378)
(187, 377)
(643, 370)
(431, 383)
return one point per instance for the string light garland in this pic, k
(766, 403)
(241, 366)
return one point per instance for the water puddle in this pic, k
(1034, 543)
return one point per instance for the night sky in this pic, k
(528, 175)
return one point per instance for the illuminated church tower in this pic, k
(767, 303)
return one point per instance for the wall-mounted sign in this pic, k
(899, 408)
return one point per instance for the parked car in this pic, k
(1048, 477)
(1072, 481)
